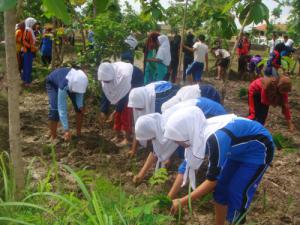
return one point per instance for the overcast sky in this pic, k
(270, 3)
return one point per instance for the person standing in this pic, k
(128, 54)
(272, 43)
(46, 46)
(288, 41)
(175, 48)
(200, 50)
(162, 58)
(150, 50)
(188, 56)
(29, 50)
(19, 35)
(243, 50)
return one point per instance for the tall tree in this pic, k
(13, 100)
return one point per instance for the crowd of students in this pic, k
(149, 110)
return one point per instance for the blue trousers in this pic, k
(27, 67)
(236, 187)
(53, 100)
(196, 69)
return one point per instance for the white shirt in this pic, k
(272, 44)
(224, 53)
(289, 43)
(201, 51)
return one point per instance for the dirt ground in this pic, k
(278, 198)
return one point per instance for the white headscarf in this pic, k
(29, 22)
(189, 124)
(151, 127)
(164, 52)
(181, 105)
(119, 75)
(185, 93)
(77, 81)
(131, 41)
(142, 98)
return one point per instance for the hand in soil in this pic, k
(175, 206)
(137, 180)
(67, 136)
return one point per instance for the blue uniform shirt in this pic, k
(210, 108)
(58, 80)
(242, 140)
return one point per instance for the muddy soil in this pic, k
(276, 203)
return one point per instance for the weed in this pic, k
(282, 142)
(160, 176)
(243, 92)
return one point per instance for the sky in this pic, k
(270, 3)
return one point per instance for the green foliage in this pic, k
(282, 142)
(160, 176)
(294, 20)
(58, 9)
(7, 4)
(287, 62)
(257, 10)
(243, 92)
(109, 36)
(95, 201)
(154, 9)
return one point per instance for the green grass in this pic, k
(286, 144)
(94, 201)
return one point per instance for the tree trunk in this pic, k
(179, 72)
(232, 56)
(13, 81)
(19, 10)
(94, 9)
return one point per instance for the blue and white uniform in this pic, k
(149, 99)
(192, 92)
(239, 152)
(58, 85)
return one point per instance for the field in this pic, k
(278, 198)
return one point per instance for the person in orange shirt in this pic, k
(19, 35)
(29, 50)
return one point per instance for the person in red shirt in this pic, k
(267, 91)
(19, 35)
(243, 50)
(29, 50)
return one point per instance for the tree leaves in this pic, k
(7, 4)
(257, 10)
(58, 9)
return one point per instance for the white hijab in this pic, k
(77, 81)
(151, 127)
(119, 76)
(185, 93)
(164, 52)
(29, 22)
(190, 125)
(142, 100)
